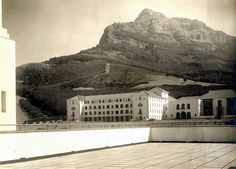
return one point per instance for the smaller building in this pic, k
(143, 105)
(214, 104)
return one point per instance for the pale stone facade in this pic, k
(7, 81)
(214, 104)
(142, 105)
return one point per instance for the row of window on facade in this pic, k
(208, 106)
(182, 106)
(107, 101)
(109, 118)
(154, 104)
(106, 113)
(108, 106)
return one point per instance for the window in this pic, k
(188, 115)
(90, 113)
(140, 111)
(177, 107)
(85, 107)
(95, 113)
(99, 113)
(112, 106)
(207, 107)
(108, 106)
(85, 113)
(231, 106)
(99, 107)
(121, 106)
(126, 106)
(103, 107)
(108, 112)
(90, 107)
(183, 106)
(140, 98)
(94, 107)
(117, 106)
(140, 105)
(188, 106)
(127, 111)
(128, 99)
(73, 108)
(117, 112)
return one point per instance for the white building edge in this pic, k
(133, 106)
(7, 80)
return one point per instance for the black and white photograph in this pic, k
(106, 84)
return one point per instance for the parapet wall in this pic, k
(14, 146)
(224, 134)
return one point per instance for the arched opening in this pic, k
(177, 115)
(188, 115)
(177, 107)
(183, 115)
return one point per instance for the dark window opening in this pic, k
(231, 106)
(207, 107)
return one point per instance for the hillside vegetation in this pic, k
(151, 45)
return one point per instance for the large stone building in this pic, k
(7, 80)
(141, 105)
(214, 104)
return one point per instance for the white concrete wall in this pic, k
(8, 80)
(25, 145)
(190, 134)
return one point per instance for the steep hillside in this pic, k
(136, 51)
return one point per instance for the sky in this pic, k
(44, 29)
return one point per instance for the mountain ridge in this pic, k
(156, 43)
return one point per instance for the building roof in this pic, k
(153, 93)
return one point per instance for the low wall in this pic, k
(192, 134)
(15, 146)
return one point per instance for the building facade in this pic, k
(134, 106)
(7, 81)
(214, 104)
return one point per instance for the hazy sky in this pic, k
(49, 28)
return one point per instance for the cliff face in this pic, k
(155, 37)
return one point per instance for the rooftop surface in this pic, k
(140, 156)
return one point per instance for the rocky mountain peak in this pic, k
(147, 14)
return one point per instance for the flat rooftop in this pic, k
(140, 156)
